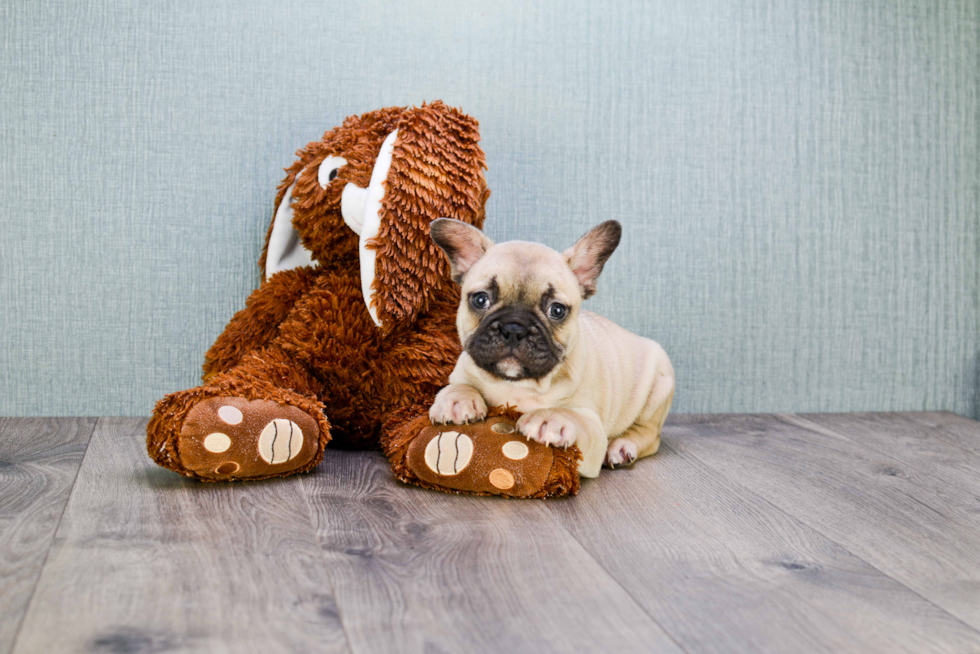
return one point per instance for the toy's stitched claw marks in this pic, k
(243, 424)
(226, 437)
(485, 458)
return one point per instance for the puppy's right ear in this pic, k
(587, 257)
(464, 244)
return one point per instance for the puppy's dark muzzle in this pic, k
(514, 325)
(516, 333)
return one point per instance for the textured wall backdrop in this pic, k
(798, 180)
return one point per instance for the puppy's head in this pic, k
(520, 301)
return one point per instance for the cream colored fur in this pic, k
(612, 389)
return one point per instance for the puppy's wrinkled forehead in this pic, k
(522, 273)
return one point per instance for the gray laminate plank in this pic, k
(725, 571)
(39, 458)
(145, 560)
(950, 427)
(422, 571)
(869, 502)
(925, 450)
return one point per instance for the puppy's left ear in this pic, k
(587, 257)
(464, 244)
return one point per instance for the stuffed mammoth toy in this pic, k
(352, 330)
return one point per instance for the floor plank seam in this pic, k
(316, 535)
(816, 428)
(804, 522)
(54, 533)
(915, 417)
(795, 420)
(632, 597)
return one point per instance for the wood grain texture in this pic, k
(876, 506)
(726, 571)
(947, 426)
(423, 571)
(39, 458)
(145, 560)
(928, 451)
(840, 533)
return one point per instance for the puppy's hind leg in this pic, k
(641, 439)
(637, 441)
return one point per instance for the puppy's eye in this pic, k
(329, 169)
(479, 301)
(557, 311)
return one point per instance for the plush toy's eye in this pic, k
(329, 169)
(557, 311)
(480, 301)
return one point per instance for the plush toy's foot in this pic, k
(234, 438)
(485, 458)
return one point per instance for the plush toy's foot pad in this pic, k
(492, 458)
(234, 438)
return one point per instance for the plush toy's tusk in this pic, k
(352, 203)
(369, 224)
(285, 249)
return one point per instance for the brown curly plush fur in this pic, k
(305, 337)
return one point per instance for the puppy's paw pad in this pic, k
(457, 407)
(458, 412)
(621, 452)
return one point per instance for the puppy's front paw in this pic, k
(621, 452)
(457, 404)
(548, 427)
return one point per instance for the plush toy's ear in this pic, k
(587, 257)
(436, 170)
(462, 243)
(283, 248)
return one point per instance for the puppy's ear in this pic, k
(587, 257)
(464, 244)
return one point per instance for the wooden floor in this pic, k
(752, 533)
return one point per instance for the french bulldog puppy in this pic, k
(576, 376)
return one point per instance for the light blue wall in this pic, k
(798, 180)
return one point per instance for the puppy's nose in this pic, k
(513, 332)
